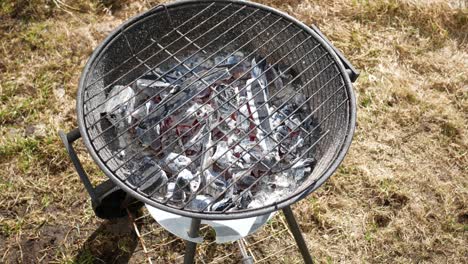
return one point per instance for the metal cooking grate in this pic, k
(168, 39)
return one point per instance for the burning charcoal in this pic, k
(175, 147)
(228, 92)
(181, 70)
(154, 112)
(175, 194)
(225, 100)
(207, 149)
(149, 176)
(230, 124)
(237, 65)
(184, 132)
(258, 68)
(244, 200)
(151, 87)
(208, 64)
(199, 112)
(243, 179)
(170, 191)
(263, 198)
(233, 140)
(196, 63)
(231, 60)
(249, 151)
(217, 75)
(120, 103)
(216, 182)
(243, 121)
(194, 145)
(291, 147)
(182, 95)
(281, 134)
(182, 185)
(200, 202)
(278, 119)
(193, 109)
(267, 196)
(240, 72)
(274, 79)
(177, 99)
(280, 180)
(122, 143)
(149, 137)
(222, 205)
(302, 168)
(287, 127)
(158, 182)
(223, 156)
(293, 122)
(175, 163)
(169, 77)
(282, 95)
(121, 155)
(223, 128)
(257, 94)
(218, 60)
(300, 101)
(285, 72)
(142, 111)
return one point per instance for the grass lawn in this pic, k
(400, 196)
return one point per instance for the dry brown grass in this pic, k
(400, 195)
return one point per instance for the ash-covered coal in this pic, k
(222, 133)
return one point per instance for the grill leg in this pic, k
(296, 231)
(190, 247)
(246, 259)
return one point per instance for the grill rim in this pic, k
(245, 213)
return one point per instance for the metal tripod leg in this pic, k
(246, 259)
(296, 231)
(190, 247)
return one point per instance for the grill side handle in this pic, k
(67, 140)
(108, 200)
(350, 70)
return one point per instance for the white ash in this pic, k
(150, 176)
(175, 163)
(121, 101)
(213, 133)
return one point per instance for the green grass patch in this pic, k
(365, 101)
(35, 35)
(85, 257)
(10, 228)
(32, 153)
(5, 186)
(449, 130)
(14, 111)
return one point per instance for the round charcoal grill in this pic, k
(217, 109)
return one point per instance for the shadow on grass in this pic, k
(113, 242)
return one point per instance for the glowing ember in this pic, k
(214, 135)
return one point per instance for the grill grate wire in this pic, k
(321, 73)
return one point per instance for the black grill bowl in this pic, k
(215, 25)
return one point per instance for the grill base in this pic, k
(273, 244)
